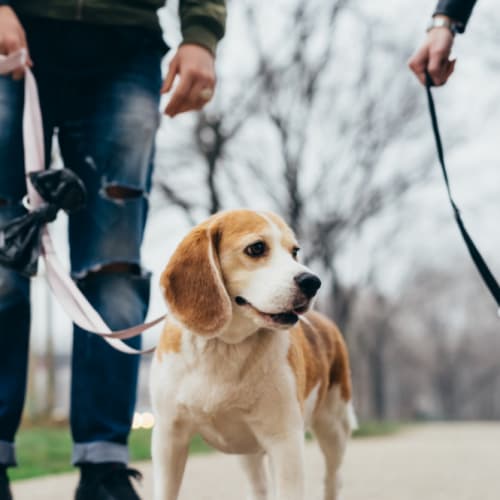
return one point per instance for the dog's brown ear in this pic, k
(193, 284)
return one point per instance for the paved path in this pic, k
(434, 462)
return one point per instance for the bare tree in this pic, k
(449, 316)
(309, 132)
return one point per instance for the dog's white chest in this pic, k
(217, 393)
(202, 396)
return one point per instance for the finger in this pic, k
(11, 43)
(196, 99)
(173, 69)
(193, 104)
(447, 69)
(18, 74)
(203, 85)
(182, 109)
(3, 49)
(189, 104)
(201, 99)
(418, 63)
(24, 43)
(438, 66)
(180, 96)
(204, 82)
(22, 38)
(451, 69)
(200, 103)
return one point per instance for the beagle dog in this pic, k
(243, 362)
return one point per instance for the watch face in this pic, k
(440, 22)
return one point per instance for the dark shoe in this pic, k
(108, 481)
(5, 493)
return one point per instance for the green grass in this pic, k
(41, 451)
(375, 428)
(47, 449)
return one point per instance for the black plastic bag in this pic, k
(20, 238)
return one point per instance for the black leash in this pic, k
(481, 265)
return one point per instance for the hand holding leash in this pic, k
(433, 57)
(13, 38)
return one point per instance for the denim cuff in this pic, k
(7, 453)
(99, 452)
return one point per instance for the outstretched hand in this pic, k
(12, 37)
(196, 69)
(434, 56)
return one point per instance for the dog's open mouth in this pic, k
(285, 318)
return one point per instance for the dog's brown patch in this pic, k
(193, 284)
(237, 224)
(339, 366)
(318, 355)
(170, 340)
(288, 239)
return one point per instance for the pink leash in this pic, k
(68, 294)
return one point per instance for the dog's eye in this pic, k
(256, 249)
(295, 252)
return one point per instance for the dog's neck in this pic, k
(238, 329)
(237, 359)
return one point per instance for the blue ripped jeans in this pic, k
(99, 87)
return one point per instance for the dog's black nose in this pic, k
(308, 284)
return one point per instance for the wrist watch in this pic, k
(444, 22)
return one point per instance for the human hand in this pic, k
(434, 56)
(195, 66)
(12, 37)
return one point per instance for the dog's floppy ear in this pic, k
(193, 285)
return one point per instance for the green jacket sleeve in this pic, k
(203, 22)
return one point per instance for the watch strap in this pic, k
(443, 22)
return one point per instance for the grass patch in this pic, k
(140, 444)
(376, 428)
(47, 449)
(41, 451)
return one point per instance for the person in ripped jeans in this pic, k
(98, 68)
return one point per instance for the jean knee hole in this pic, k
(122, 193)
(115, 268)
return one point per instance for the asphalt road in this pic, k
(433, 462)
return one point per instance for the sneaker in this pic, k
(107, 481)
(5, 493)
